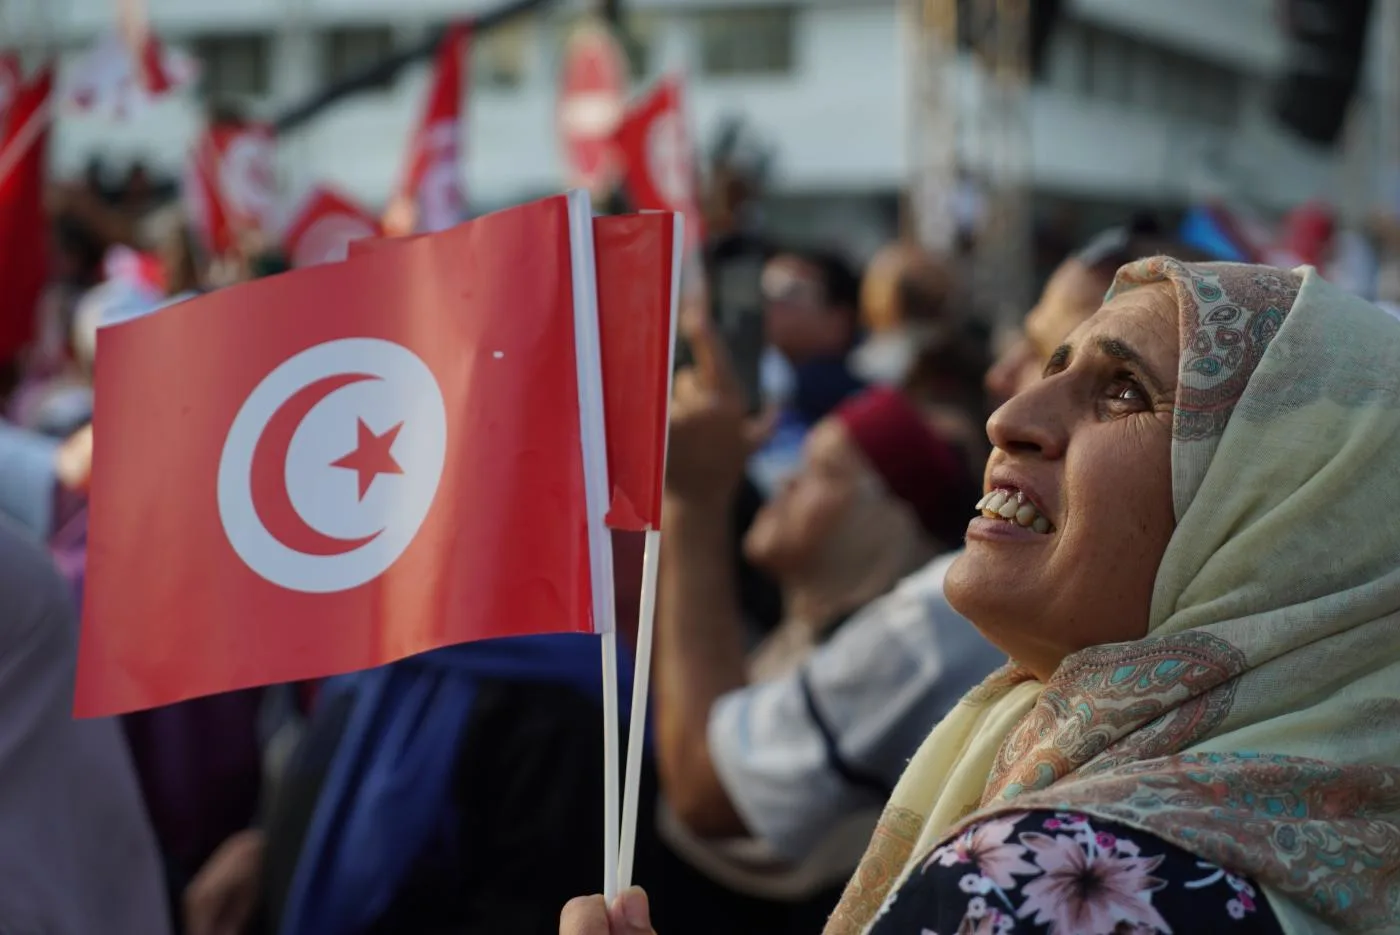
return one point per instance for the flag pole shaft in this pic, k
(24, 138)
(636, 731)
(610, 765)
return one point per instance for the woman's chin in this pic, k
(986, 587)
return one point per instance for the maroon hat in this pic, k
(916, 465)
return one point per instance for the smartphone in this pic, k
(736, 308)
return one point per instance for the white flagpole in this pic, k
(646, 616)
(636, 731)
(25, 137)
(610, 757)
(593, 436)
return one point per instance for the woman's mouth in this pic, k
(1012, 506)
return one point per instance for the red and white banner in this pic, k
(123, 73)
(352, 463)
(592, 98)
(323, 226)
(141, 271)
(658, 157)
(230, 185)
(431, 196)
(23, 221)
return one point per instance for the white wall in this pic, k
(837, 121)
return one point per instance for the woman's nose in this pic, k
(1029, 423)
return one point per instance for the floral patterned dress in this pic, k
(1069, 874)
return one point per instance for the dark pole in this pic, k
(382, 72)
(611, 10)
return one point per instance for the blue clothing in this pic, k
(389, 781)
(27, 478)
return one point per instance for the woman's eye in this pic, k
(1126, 392)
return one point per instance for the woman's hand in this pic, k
(711, 437)
(589, 915)
(73, 461)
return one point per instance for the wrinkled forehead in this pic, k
(1227, 314)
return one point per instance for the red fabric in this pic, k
(1307, 233)
(657, 154)
(916, 465)
(175, 609)
(150, 71)
(11, 77)
(592, 97)
(433, 181)
(230, 185)
(323, 227)
(635, 321)
(23, 221)
(636, 335)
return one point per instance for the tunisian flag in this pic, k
(323, 226)
(430, 196)
(658, 156)
(638, 263)
(348, 464)
(23, 221)
(230, 184)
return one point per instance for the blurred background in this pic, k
(1032, 122)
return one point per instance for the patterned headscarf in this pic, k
(1257, 724)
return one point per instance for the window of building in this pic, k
(352, 49)
(237, 65)
(500, 56)
(642, 34)
(747, 41)
(1105, 66)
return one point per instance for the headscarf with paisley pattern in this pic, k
(1257, 725)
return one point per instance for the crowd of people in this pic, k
(1196, 728)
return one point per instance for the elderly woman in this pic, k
(1199, 728)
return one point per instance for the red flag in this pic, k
(638, 264)
(637, 308)
(11, 77)
(431, 192)
(348, 464)
(658, 156)
(23, 221)
(230, 184)
(124, 71)
(323, 227)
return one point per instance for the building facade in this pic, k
(1139, 101)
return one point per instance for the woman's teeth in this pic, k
(1012, 506)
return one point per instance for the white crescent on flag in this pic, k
(332, 463)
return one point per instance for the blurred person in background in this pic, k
(800, 760)
(919, 338)
(875, 498)
(811, 322)
(76, 848)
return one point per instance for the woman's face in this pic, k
(1088, 449)
(792, 528)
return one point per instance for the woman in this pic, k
(1199, 731)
